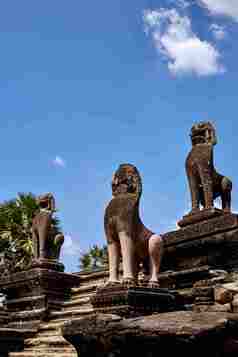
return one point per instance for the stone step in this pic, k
(65, 315)
(76, 303)
(78, 300)
(43, 354)
(46, 333)
(83, 291)
(46, 351)
(81, 296)
(46, 340)
(50, 350)
(77, 307)
(53, 330)
(49, 326)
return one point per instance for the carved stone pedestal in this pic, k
(211, 241)
(32, 294)
(50, 264)
(134, 301)
(200, 216)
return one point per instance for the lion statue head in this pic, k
(46, 201)
(203, 133)
(126, 180)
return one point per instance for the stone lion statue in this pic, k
(46, 242)
(205, 183)
(126, 235)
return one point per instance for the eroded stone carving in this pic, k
(126, 235)
(46, 242)
(205, 183)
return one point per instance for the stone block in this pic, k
(199, 216)
(204, 291)
(234, 304)
(220, 308)
(222, 295)
(233, 287)
(134, 301)
(212, 308)
(30, 295)
(173, 334)
(212, 242)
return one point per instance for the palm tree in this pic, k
(15, 228)
(94, 259)
(105, 259)
(85, 261)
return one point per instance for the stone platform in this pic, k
(200, 216)
(172, 334)
(31, 294)
(212, 241)
(133, 301)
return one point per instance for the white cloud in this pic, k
(218, 31)
(181, 3)
(70, 247)
(58, 161)
(184, 51)
(222, 7)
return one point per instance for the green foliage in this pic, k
(85, 261)
(15, 228)
(94, 259)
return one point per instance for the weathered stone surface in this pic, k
(46, 342)
(213, 242)
(212, 308)
(233, 287)
(199, 216)
(204, 291)
(220, 308)
(222, 295)
(218, 273)
(210, 227)
(37, 282)
(12, 340)
(232, 277)
(49, 264)
(4, 317)
(134, 301)
(176, 333)
(31, 294)
(184, 278)
(234, 304)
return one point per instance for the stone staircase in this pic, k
(48, 341)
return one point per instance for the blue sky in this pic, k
(87, 85)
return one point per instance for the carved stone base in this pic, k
(30, 295)
(133, 301)
(200, 216)
(51, 264)
(184, 278)
(212, 242)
